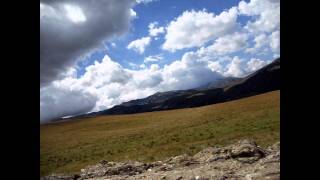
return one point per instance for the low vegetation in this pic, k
(67, 147)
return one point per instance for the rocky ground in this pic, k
(243, 160)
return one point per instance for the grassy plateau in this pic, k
(67, 147)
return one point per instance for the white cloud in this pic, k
(240, 67)
(107, 83)
(145, 1)
(265, 44)
(275, 41)
(133, 14)
(154, 30)
(74, 13)
(260, 41)
(154, 67)
(133, 65)
(113, 44)
(111, 72)
(227, 44)
(255, 64)
(235, 68)
(142, 66)
(139, 45)
(195, 28)
(153, 58)
(264, 25)
(267, 13)
(189, 72)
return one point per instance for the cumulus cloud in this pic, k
(72, 95)
(133, 65)
(107, 83)
(154, 30)
(151, 81)
(255, 64)
(259, 42)
(227, 44)
(133, 13)
(235, 68)
(264, 25)
(267, 13)
(195, 28)
(113, 45)
(142, 66)
(139, 45)
(153, 58)
(264, 44)
(275, 41)
(69, 29)
(189, 72)
(240, 67)
(145, 1)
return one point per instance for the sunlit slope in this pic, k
(69, 146)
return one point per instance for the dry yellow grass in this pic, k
(69, 146)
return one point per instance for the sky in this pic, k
(99, 53)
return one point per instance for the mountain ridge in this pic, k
(263, 80)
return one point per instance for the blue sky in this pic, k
(163, 12)
(104, 56)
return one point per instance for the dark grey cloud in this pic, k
(58, 102)
(63, 39)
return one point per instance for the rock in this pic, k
(103, 162)
(182, 160)
(246, 151)
(111, 164)
(206, 154)
(240, 161)
(61, 177)
(199, 178)
(129, 168)
(165, 168)
(275, 147)
(177, 159)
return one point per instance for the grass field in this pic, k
(69, 146)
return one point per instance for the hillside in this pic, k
(221, 90)
(69, 146)
(219, 83)
(264, 80)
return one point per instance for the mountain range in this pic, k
(221, 90)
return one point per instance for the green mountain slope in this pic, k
(69, 146)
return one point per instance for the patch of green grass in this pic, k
(69, 146)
